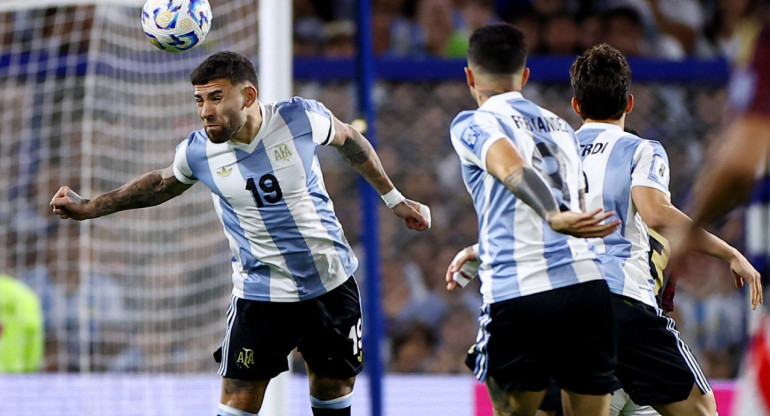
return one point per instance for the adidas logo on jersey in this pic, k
(224, 172)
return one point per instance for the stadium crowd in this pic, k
(429, 329)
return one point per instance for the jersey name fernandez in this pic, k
(520, 254)
(287, 243)
(614, 162)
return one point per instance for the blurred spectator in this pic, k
(339, 39)
(21, 327)
(412, 347)
(723, 30)
(529, 23)
(472, 14)
(624, 29)
(561, 35)
(405, 32)
(590, 31)
(710, 315)
(436, 20)
(308, 29)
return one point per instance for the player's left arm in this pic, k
(360, 154)
(660, 214)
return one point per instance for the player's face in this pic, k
(220, 106)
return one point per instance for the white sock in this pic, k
(225, 410)
(338, 403)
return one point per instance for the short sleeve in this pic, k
(182, 170)
(651, 167)
(472, 133)
(321, 121)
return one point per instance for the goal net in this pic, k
(88, 102)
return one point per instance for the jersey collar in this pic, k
(602, 126)
(510, 95)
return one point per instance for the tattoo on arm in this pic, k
(356, 149)
(360, 154)
(530, 187)
(148, 190)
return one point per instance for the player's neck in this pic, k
(618, 122)
(249, 131)
(484, 93)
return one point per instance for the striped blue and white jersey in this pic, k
(520, 254)
(614, 162)
(286, 240)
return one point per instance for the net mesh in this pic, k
(88, 103)
(144, 290)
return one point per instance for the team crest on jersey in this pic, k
(281, 154)
(224, 172)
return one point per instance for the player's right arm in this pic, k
(360, 154)
(152, 188)
(505, 163)
(661, 215)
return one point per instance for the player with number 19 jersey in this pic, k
(520, 254)
(286, 240)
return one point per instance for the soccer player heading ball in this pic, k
(291, 260)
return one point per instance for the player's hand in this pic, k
(462, 258)
(67, 204)
(416, 216)
(744, 272)
(583, 224)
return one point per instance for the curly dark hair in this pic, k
(600, 80)
(225, 65)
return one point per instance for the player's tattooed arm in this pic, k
(150, 189)
(505, 163)
(360, 154)
(530, 187)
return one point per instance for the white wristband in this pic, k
(393, 198)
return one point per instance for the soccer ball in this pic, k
(176, 25)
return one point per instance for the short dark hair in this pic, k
(225, 65)
(600, 81)
(498, 49)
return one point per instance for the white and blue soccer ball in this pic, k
(176, 25)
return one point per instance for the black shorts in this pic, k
(654, 364)
(567, 334)
(552, 400)
(326, 330)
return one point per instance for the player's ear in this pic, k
(469, 77)
(576, 107)
(250, 95)
(630, 105)
(524, 76)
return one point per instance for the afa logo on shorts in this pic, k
(245, 357)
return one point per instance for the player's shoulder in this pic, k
(195, 138)
(471, 127)
(472, 118)
(297, 103)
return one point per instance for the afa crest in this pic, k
(245, 357)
